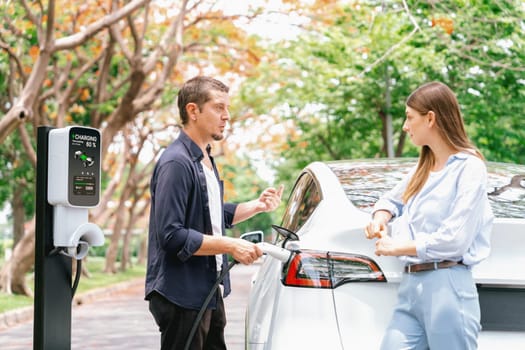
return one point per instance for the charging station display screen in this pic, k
(84, 185)
(84, 166)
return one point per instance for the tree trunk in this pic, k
(125, 261)
(401, 144)
(11, 120)
(125, 256)
(13, 274)
(112, 252)
(389, 130)
(18, 214)
(143, 249)
(142, 254)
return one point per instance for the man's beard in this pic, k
(217, 137)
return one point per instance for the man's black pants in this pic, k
(176, 322)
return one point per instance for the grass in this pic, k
(98, 279)
(11, 302)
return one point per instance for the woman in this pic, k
(442, 228)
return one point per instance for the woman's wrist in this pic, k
(382, 216)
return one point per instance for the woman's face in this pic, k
(417, 126)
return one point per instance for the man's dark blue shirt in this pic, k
(179, 217)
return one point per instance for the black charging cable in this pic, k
(205, 305)
(59, 250)
(77, 278)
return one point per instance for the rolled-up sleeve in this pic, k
(229, 212)
(192, 243)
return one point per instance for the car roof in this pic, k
(365, 180)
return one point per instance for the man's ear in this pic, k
(431, 118)
(192, 109)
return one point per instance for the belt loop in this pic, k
(435, 265)
(408, 268)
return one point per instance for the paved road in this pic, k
(122, 320)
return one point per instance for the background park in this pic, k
(310, 80)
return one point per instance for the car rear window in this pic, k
(506, 190)
(364, 181)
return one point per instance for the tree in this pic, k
(44, 32)
(17, 184)
(487, 63)
(242, 184)
(341, 85)
(109, 65)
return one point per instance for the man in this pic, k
(187, 245)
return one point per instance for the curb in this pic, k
(15, 317)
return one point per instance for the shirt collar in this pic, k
(460, 155)
(194, 150)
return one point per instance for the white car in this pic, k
(335, 293)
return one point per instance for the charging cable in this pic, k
(77, 277)
(278, 253)
(205, 305)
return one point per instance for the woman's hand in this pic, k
(377, 228)
(386, 246)
(389, 246)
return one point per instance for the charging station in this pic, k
(67, 185)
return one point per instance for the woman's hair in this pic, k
(438, 98)
(197, 90)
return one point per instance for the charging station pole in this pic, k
(52, 305)
(67, 184)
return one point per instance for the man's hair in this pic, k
(197, 90)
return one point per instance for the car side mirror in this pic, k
(253, 236)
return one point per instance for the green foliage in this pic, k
(488, 77)
(134, 248)
(16, 171)
(332, 82)
(246, 185)
(4, 243)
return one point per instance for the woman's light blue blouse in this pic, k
(450, 218)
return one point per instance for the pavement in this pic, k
(118, 318)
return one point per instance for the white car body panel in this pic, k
(506, 263)
(311, 304)
(355, 314)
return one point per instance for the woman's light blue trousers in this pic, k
(437, 310)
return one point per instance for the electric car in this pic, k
(335, 293)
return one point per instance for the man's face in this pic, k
(214, 115)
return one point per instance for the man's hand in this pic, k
(244, 251)
(270, 199)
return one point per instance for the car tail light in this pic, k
(316, 269)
